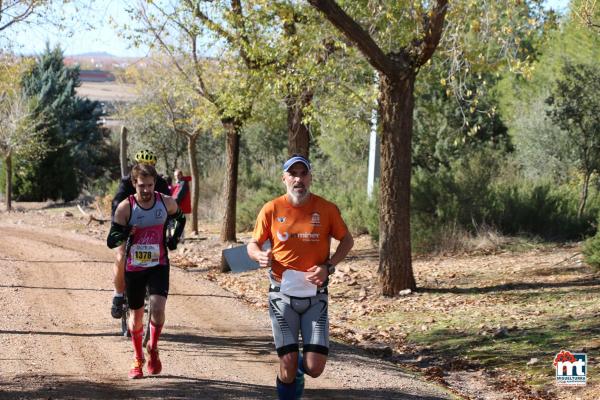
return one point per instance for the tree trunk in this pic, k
(396, 86)
(8, 170)
(298, 131)
(584, 194)
(195, 182)
(230, 190)
(396, 105)
(124, 169)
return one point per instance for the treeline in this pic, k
(500, 121)
(489, 147)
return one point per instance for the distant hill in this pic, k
(96, 54)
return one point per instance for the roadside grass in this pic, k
(512, 350)
(509, 311)
(516, 325)
(521, 244)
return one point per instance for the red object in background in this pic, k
(185, 203)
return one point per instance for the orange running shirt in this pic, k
(300, 236)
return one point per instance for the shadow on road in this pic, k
(229, 347)
(55, 288)
(36, 386)
(508, 287)
(54, 333)
(172, 387)
(58, 261)
(111, 290)
(222, 346)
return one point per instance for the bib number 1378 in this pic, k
(143, 256)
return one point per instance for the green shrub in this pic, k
(542, 209)
(103, 186)
(248, 209)
(591, 251)
(360, 213)
(459, 193)
(475, 192)
(257, 186)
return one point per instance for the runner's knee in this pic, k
(316, 370)
(288, 365)
(314, 363)
(136, 320)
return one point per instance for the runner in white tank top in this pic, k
(138, 230)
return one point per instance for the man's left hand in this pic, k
(318, 276)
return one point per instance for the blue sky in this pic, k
(559, 5)
(90, 29)
(93, 33)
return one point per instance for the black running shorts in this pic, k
(156, 278)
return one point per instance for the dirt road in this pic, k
(57, 340)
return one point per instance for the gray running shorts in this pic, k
(293, 315)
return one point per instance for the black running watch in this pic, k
(330, 268)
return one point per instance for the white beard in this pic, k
(296, 198)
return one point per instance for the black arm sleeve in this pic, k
(117, 235)
(178, 225)
(125, 189)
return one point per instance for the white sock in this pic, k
(118, 294)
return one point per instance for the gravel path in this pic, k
(57, 340)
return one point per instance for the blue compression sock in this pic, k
(301, 369)
(300, 377)
(286, 391)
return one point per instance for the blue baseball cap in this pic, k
(295, 159)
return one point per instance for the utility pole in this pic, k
(373, 172)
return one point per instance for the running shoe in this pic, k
(154, 364)
(136, 369)
(117, 307)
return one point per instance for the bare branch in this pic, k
(357, 35)
(201, 89)
(209, 23)
(232, 39)
(434, 27)
(156, 32)
(586, 12)
(193, 37)
(91, 217)
(236, 7)
(19, 17)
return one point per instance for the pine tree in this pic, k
(71, 131)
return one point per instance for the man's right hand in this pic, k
(264, 258)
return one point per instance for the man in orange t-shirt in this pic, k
(299, 226)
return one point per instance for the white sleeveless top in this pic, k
(148, 242)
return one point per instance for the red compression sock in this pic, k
(154, 334)
(136, 339)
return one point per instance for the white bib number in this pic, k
(145, 255)
(294, 283)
